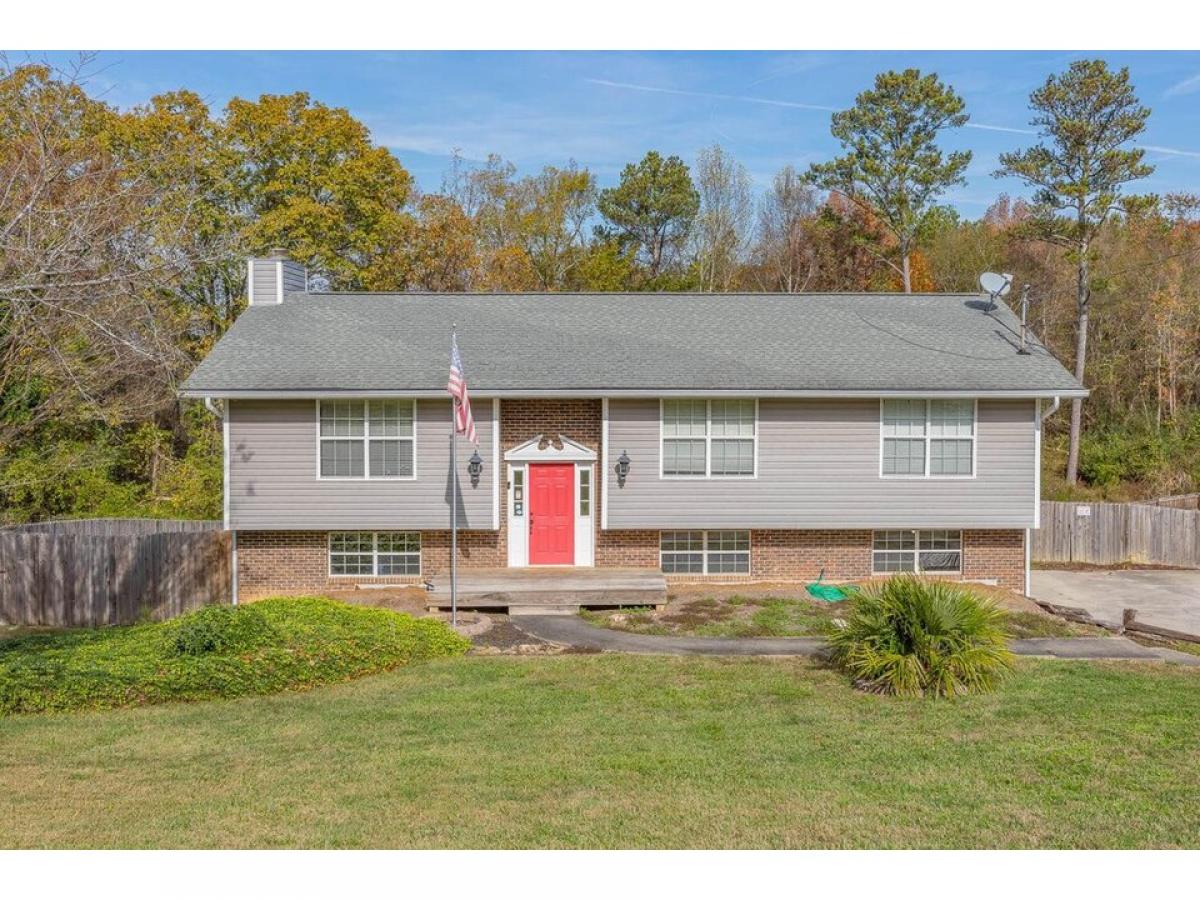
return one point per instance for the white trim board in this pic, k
(495, 463)
(604, 473)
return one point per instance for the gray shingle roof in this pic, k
(629, 342)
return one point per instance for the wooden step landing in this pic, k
(540, 591)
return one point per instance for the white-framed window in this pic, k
(904, 550)
(518, 491)
(374, 553)
(366, 439)
(705, 552)
(709, 438)
(585, 491)
(927, 438)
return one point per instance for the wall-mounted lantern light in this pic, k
(622, 468)
(475, 468)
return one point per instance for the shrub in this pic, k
(286, 643)
(223, 629)
(914, 637)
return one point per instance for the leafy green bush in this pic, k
(286, 643)
(223, 629)
(915, 637)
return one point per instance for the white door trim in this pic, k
(518, 525)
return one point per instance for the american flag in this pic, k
(464, 422)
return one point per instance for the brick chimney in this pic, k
(270, 277)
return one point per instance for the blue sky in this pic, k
(606, 109)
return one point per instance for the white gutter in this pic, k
(1055, 405)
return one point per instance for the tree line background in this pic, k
(124, 234)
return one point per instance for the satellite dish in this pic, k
(995, 285)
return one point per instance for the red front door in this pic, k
(552, 514)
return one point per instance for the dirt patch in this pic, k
(785, 609)
(504, 637)
(1127, 566)
(403, 599)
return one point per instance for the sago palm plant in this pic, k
(916, 637)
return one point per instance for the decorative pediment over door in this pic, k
(550, 448)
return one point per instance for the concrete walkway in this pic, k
(1169, 598)
(572, 631)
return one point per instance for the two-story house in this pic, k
(712, 436)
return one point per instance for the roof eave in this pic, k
(327, 393)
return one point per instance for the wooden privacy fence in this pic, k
(1112, 533)
(111, 571)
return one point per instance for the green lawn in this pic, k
(622, 751)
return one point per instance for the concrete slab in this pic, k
(1163, 597)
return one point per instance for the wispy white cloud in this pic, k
(1187, 86)
(1171, 151)
(764, 101)
(651, 89)
(1003, 128)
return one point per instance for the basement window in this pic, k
(935, 551)
(374, 553)
(705, 552)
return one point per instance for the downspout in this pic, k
(1028, 531)
(1053, 408)
(221, 413)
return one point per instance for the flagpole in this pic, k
(453, 512)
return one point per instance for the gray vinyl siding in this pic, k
(293, 277)
(273, 480)
(818, 467)
(262, 274)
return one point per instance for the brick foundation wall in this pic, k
(281, 562)
(998, 554)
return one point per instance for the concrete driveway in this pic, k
(1169, 599)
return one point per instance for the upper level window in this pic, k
(367, 438)
(709, 438)
(924, 438)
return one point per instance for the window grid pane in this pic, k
(341, 418)
(390, 418)
(684, 418)
(951, 457)
(904, 418)
(728, 552)
(732, 457)
(903, 456)
(391, 458)
(341, 459)
(682, 551)
(887, 561)
(951, 418)
(733, 418)
(585, 492)
(683, 457)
